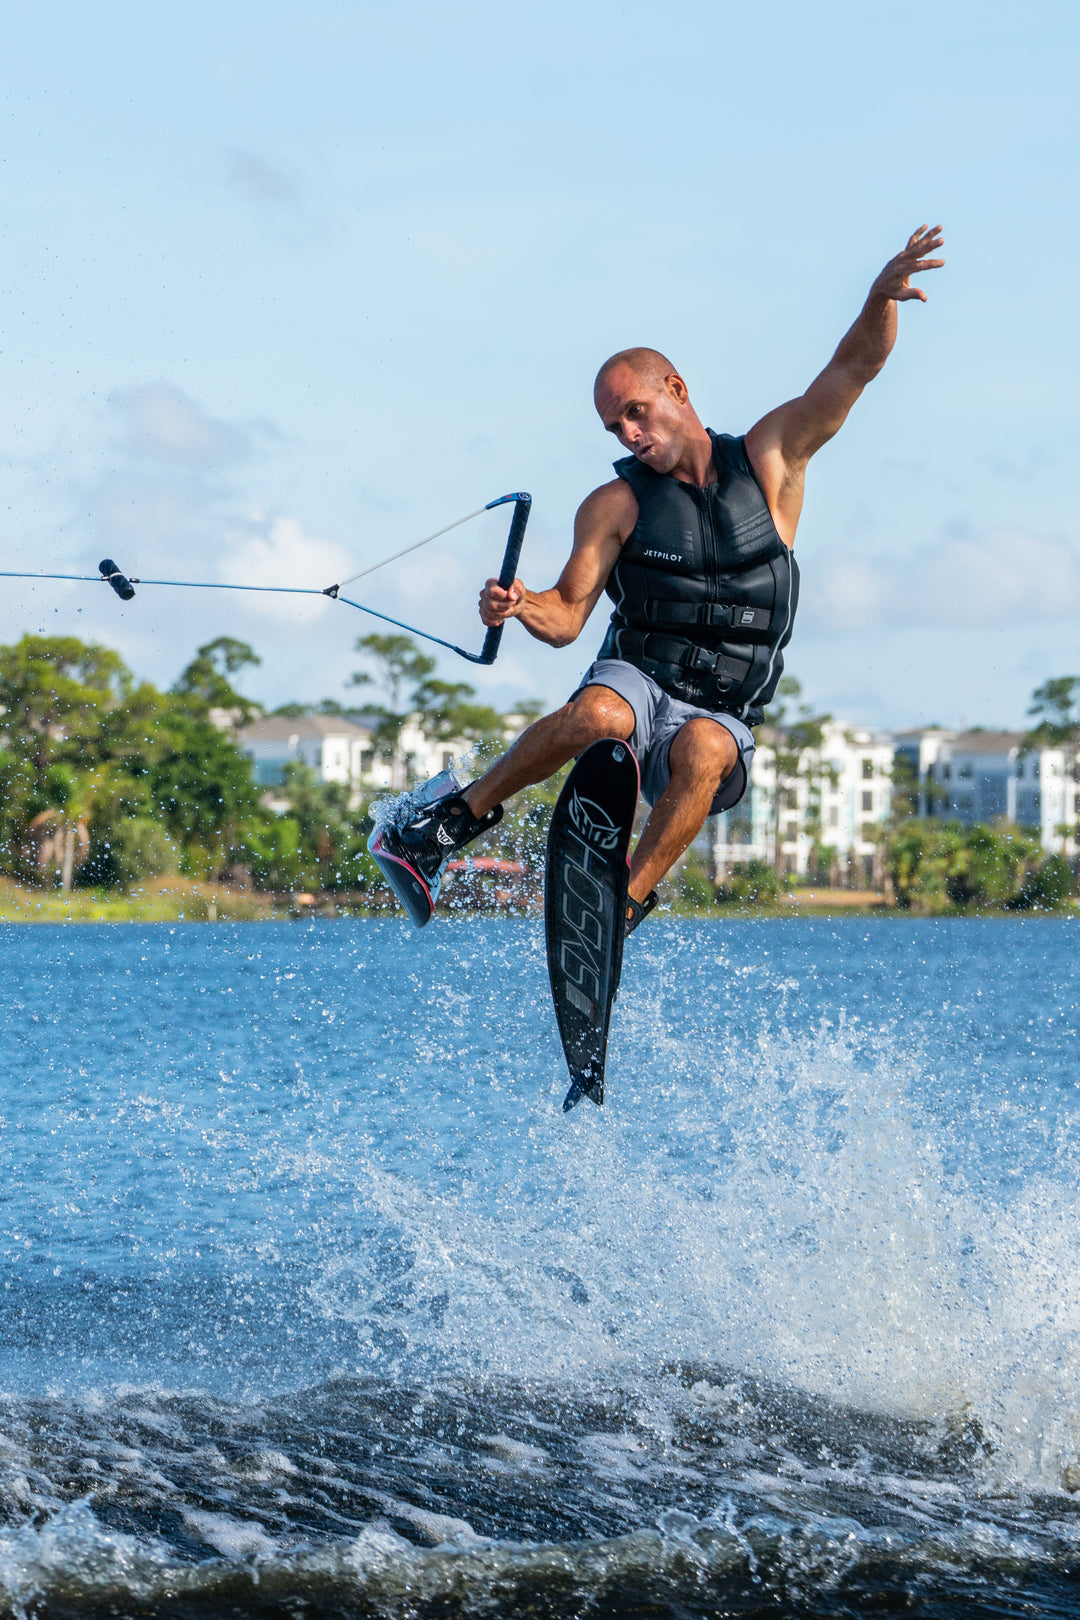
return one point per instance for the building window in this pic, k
(367, 760)
(946, 772)
(790, 799)
(1019, 767)
(1036, 804)
(868, 801)
(965, 770)
(867, 769)
(834, 813)
(447, 758)
(1076, 804)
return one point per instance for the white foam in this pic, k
(234, 1538)
(809, 1234)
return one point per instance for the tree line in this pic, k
(106, 780)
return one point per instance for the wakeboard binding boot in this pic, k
(434, 836)
(413, 854)
(638, 910)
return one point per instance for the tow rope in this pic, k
(124, 584)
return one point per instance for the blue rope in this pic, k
(517, 528)
(275, 590)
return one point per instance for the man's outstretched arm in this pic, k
(780, 445)
(558, 615)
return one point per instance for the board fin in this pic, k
(585, 1084)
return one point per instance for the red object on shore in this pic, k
(488, 863)
(486, 881)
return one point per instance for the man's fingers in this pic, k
(924, 240)
(498, 603)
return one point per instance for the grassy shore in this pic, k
(175, 899)
(172, 899)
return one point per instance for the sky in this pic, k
(286, 287)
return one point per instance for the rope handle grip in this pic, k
(508, 571)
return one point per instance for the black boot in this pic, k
(429, 840)
(638, 910)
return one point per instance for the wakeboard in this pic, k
(417, 893)
(585, 892)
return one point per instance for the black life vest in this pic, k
(705, 590)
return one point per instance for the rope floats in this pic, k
(124, 586)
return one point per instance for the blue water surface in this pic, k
(248, 1164)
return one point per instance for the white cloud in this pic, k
(1004, 578)
(262, 182)
(277, 552)
(163, 424)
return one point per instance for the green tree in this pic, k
(1055, 706)
(54, 691)
(399, 669)
(272, 849)
(754, 884)
(104, 781)
(57, 693)
(1047, 886)
(445, 710)
(206, 683)
(329, 831)
(202, 787)
(935, 865)
(918, 858)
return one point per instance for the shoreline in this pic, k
(184, 900)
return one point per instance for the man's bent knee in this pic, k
(597, 712)
(704, 748)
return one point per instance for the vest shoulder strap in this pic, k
(636, 474)
(729, 452)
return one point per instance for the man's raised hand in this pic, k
(895, 280)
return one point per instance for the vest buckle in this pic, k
(702, 660)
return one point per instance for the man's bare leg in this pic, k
(703, 754)
(545, 747)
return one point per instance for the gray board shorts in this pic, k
(658, 717)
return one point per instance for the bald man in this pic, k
(693, 542)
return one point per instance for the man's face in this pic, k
(649, 418)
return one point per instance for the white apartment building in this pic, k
(337, 750)
(988, 776)
(837, 798)
(340, 750)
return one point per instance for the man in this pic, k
(693, 541)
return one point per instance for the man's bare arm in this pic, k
(780, 445)
(558, 615)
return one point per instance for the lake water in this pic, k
(314, 1303)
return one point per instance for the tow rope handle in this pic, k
(508, 571)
